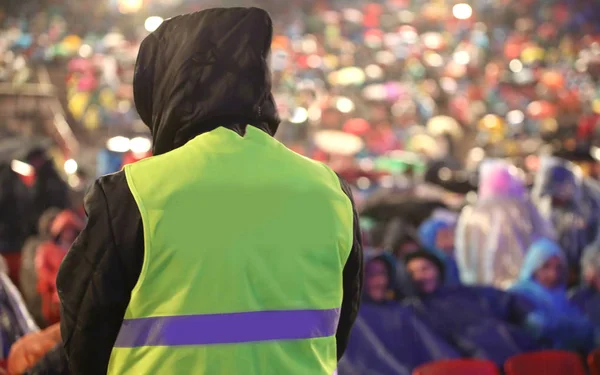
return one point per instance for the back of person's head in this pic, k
(46, 220)
(66, 226)
(399, 238)
(203, 70)
(37, 157)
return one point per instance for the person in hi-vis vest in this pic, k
(225, 253)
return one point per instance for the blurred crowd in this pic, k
(514, 271)
(384, 70)
(466, 256)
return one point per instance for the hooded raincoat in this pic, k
(194, 74)
(556, 322)
(428, 232)
(15, 320)
(389, 338)
(587, 297)
(493, 235)
(487, 327)
(571, 205)
(28, 278)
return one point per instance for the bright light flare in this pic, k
(344, 105)
(140, 145)
(299, 116)
(153, 23)
(71, 166)
(118, 144)
(462, 11)
(130, 6)
(22, 168)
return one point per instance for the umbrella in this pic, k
(338, 143)
(387, 204)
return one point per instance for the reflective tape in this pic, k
(230, 328)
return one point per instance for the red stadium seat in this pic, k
(458, 367)
(594, 362)
(548, 362)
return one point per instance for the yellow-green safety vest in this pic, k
(245, 245)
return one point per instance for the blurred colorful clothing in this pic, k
(479, 322)
(493, 235)
(556, 322)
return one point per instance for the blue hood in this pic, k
(428, 232)
(538, 254)
(556, 320)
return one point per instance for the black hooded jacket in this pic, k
(195, 73)
(15, 211)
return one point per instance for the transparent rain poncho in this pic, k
(493, 235)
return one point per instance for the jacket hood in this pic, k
(429, 230)
(591, 257)
(390, 264)
(203, 70)
(558, 178)
(539, 252)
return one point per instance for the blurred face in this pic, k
(591, 278)
(377, 280)
(444, 240)
(551, 274)
(424, 274)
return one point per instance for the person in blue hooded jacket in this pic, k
(437, 236)
(557, 323)
(570, 203)
(587, 296)
(389, 338)
(480, 322)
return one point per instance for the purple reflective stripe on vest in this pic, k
(227, 328)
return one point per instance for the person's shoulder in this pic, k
(317, 168)
(111, 192)
(107, 186)
(581, 292)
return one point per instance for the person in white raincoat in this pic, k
(494, 233)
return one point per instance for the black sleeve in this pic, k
(98, 274)
(353, 278)
(53, 363)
